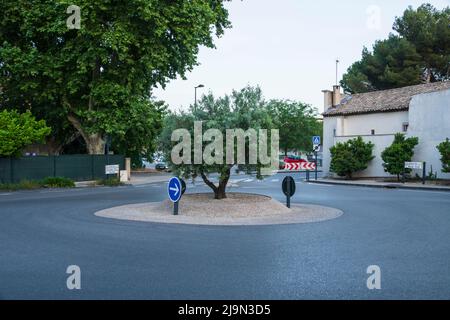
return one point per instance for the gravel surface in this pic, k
(237, 209)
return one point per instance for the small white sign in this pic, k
(414, 165)
(112, 169)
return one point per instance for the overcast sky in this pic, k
(288, 47)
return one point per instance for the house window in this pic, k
(372, 132)
(405, 126)
(334, 132)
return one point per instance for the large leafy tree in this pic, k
(244, 109)
(18, 130)
(400, 151)
(351, 156)
(95, 77)
(141, 127)
(419, 52)
(297, 123)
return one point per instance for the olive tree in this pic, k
(208, 127)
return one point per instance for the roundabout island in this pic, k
(237, 209)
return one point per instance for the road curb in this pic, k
(381, 186)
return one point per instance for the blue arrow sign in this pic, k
(174, 189)
(316, 140)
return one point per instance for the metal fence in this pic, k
(76, 167)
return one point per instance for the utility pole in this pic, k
(195, 102)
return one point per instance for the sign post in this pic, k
(315, 170)
(424, 172)
(316, 147)
(418, 166)
(175, 189)
(288, 187)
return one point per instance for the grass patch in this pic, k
(58, 182)
(50, 182)
(111, 182)
(23, 185)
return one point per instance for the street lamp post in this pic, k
(195, 102)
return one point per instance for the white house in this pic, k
(421, 111)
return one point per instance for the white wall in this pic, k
(386, 125)
(382, 123)
(375, 167)
(429, 120)
(329, 125)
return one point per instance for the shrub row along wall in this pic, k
(75, 167)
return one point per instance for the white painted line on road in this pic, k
(148, 186)
(248, 180)
(425, 191)
(5, 194)
(321, 184)
(275, 180)
(54, 191)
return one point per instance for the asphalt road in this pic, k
(405, 232)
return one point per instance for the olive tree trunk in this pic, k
(219, 190)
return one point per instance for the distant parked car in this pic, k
(161, 166)
(281, 163)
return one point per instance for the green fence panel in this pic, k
(31, 168)
(5, 170)
(75, 167)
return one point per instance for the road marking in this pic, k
(5, 194)
(147, 186)
(275, 180)
(422, 191)
(321, 184)
(248, 180)
(53, 191)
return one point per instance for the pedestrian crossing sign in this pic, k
(316, 140)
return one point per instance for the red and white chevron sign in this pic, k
(300, 166)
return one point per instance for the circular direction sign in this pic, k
(175, 189)
(288, 185)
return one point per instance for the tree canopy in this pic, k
(244, 109)
(419, 52)
(18, 131)
(297, 123)
(100, 77)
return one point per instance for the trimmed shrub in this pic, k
(350, 156)
(444, 149)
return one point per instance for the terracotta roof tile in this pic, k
(383, 101)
